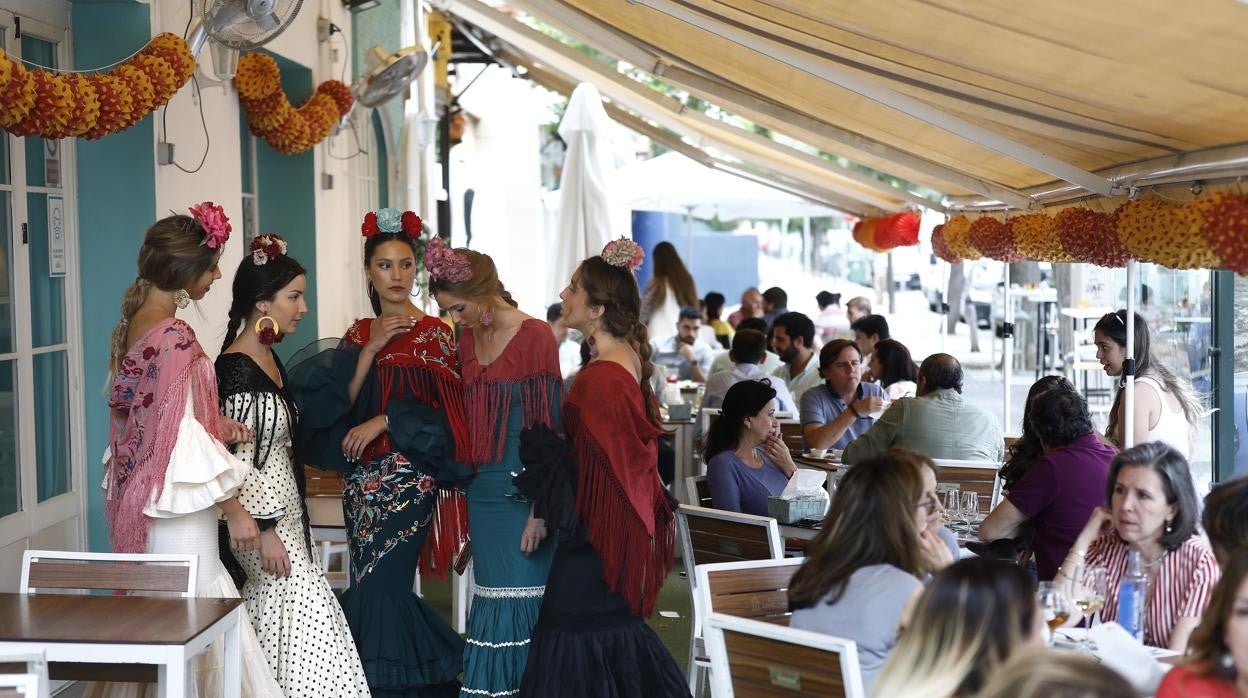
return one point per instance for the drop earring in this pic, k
(486, 316)
(267, 335)
(181, 298)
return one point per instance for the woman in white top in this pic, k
(892, 366)
(670, 289)
(1166, 408)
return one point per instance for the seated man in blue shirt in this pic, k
(841, 409)
(683, 353)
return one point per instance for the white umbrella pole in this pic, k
(1128, 364)
(1007, 351)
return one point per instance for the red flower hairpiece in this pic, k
(266, 247)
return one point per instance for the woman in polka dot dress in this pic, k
(296, 616)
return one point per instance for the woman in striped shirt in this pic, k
(1153, 510)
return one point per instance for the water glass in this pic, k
(969, 511)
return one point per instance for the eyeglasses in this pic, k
(930, 504)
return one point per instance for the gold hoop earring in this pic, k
(267, 335)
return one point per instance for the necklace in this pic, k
(1154, 563)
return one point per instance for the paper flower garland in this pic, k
(993, 240)
(287, 128)
(1225, 228)
(1090, 236)
(1036, 238)
(957, 236)
(889, 232)
(940, 246)
(62, 105)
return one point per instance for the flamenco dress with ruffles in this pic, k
(297, 618)
(601, 490)
(391, 498)
(519, 389)
(165, 470)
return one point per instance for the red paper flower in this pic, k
(990, 236)
(1226, 229)
(369, 228)
(1090, 237)
(940, 246)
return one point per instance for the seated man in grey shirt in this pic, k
(749, 350)
(938, 423)
(837, 411)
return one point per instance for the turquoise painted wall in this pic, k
(287, 196)
(116, 203)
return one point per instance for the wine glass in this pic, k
(952, 506)
(1089, 596)
(1054, 604)
(969, 511)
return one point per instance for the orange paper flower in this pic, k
(940, 246)
(958, 237)
(116, 106)
(51, 111)
(1036, 237)
(17, 95)
(86, 105)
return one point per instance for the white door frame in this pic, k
(34, 516)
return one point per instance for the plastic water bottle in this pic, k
(1132, 593)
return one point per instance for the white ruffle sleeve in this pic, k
(201, 471)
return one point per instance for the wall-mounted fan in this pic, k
(387, 79)
(232, 26)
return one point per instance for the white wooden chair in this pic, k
(714, 535)
(755, 589)
(18, 668)
(60, 571)
(23, 685)
(754, 659)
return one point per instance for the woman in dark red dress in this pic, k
(603, 493)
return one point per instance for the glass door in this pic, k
(41, 398)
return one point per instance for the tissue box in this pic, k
(680, 410)
(787, 511)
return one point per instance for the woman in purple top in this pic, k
(1061, 488)
(746, 459)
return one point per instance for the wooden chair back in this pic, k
(757, 589)
(753, 659)
(979, 477)
(791, 432)
(322, 483)
(715, 535)
(49, 570)
(698, 491)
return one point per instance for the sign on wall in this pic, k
(56, 236)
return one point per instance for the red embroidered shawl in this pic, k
(147, 402)
(619, 496)
(422, 365)
(531, 361)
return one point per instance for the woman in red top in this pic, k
(511, 382)
(1217, 663)
(385, 407)
(603, 494)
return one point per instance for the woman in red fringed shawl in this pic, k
(167, 471)
(386, 408)
(602, 492)
(511, 382)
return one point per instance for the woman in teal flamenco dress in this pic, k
(385, 406)
(511, 382)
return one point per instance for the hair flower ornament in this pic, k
(624, 253)
(445, 264)
(266, 247)
(392, 220)
(216, 225)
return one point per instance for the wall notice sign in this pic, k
(51, 163)
(56, 236)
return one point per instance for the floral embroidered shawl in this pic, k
(147, 402)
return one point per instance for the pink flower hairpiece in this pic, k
(212, 219)
(624, 253)
(391, 220)
(445, 264)
(266, 247)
